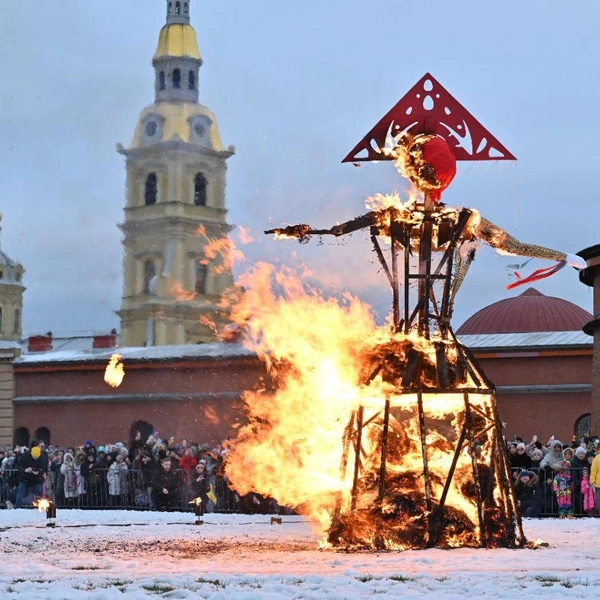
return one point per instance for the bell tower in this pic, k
(175, 230)
(11, 298)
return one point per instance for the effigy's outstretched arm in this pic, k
(501, 240)
(303, 232)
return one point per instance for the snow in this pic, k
(115, 554)
(156, 353)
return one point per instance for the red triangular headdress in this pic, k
(429, 109)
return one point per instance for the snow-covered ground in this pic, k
(116, 554)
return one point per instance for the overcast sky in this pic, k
(294, 85)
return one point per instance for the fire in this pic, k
(313, 348)
(115, 371)
(196, 501)
(42, 504)
(245, 235)
(221, 252)
(178, 292)
(386, 436)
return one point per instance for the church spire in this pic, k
(178, 12)
(177, 59)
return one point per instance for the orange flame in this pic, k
(177, 291)
(318, 353)
(115, 371)
(221, 250)
(244, 235)
(42, 504)
(313, 347)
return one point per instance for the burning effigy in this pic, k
(390, 437)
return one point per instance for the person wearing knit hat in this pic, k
(519, 460)
(528, 494)
(578, 463)
(32, 469)
(562, 486)
(536, 458)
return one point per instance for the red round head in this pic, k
(439, 155)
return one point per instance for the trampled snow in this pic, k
(116, 554)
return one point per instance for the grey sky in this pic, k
(294, 85)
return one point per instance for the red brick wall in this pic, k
(109, 420)
(213, 420)
(540, 414)
(203, 421)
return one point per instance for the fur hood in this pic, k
(533, 479)
(553, 459)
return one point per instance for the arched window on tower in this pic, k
(185, 8)
(177, 8)
(150, 189)
(200, 279)
(149, 277)
(170, 8)
(162, 84)
(200, 185)
(192, 80)
(177, 78)
(17, 323)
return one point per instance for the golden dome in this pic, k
(182, 121)
(177, 39)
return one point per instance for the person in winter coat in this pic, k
(117, 480)
(595, 478)
(188, 462)
(536, 458)
(528, 494)
(32, 469)
(519, 460)
(588, 494)
(552, 462)
(563, 488)
(71, 476)
(165, 486)
(578, 463)
(200, 485)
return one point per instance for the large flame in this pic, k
(321, 356)
(115, 371)
(291, 448)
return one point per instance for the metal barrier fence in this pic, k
(548, 502)
(134, 492)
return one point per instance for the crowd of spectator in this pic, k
(150, 473)
(553, 479)
(556, 479)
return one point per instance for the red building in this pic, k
(531, 347)
(192, 392)
(534, 351)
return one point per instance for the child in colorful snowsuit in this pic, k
(562, 490)
(588, 494)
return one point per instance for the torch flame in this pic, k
(42, 504)
(115, 371)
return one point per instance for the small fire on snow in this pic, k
(42, 504)
(115, 371)
(537, 544)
